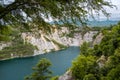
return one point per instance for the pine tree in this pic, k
(41, 71)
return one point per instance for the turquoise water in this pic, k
(96, 23)
(16, 69)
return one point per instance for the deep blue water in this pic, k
(16, 69)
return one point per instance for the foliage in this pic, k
(32, 13)
(5, 32)
(83, 65)
(87, 65)
(99, 28)
(89, 77)
(19, 50)
(114, 74)
(41, 71)
(54, 78)
(84, 48)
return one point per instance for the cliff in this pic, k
(57, 40)
(44, 42)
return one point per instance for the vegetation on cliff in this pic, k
(17, 48)
(31, 15)
(21, 11)
(100, 62)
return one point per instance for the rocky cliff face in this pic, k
(43, 42)
(98, 39)
(66, 76)
(57, 40)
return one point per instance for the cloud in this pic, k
(115, 13)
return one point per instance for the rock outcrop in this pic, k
(3, 45)
(98, 39)
(101, 61)
(66, 76)
(46, 42)
(57, 40)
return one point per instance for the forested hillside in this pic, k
(100, 62)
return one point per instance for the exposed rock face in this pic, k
(66, 76)
(101, 61)
(3, 45)
(54, 41)
(98, 39)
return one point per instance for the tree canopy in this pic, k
(102, 62)
(41, 71)
(66, 11)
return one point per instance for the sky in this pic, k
(115, 13)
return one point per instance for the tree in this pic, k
(31, 15)
(54, 78)
(89, 77)
(41, 71)
(114, 74)
(21, 11)
(5, 32)
(106, 54)
(82, 66)
(84, 48)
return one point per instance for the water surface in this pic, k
(16, 69)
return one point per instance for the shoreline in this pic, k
(17, 57)
(46, 43)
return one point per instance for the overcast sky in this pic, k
(115, 13)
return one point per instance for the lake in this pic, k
(17, 69)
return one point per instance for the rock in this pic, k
(66, 76)
(3, 45)
(98, 39)
(101, 61)
(57, 40)
(44, 41)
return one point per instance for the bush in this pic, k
(89, 77)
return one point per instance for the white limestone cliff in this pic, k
(47, 42)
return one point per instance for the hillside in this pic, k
(102, 23)
(38, 42)
(100, 62)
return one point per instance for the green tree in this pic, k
(87, 66)
(62, 10)
(41, 71)
(114, 74)
(84, 48)
(117, 52)
(54, 78)
(89, 77)
(5, 32)
(29, 15)
(82, 66)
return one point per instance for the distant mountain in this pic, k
(102, 23)
(97, 23)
